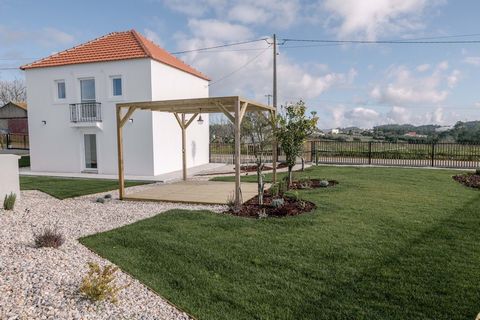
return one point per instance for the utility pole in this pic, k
(275, 71)
(268, 96)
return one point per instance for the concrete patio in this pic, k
(201, 192)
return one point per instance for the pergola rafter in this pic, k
(233, 107)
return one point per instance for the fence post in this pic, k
(433, 154)
(369, 152)
(312, 150)
(8, 141)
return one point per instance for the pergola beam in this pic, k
(184, 125)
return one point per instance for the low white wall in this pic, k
(9, 179)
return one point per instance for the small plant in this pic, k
(231, 202)
(49, 237)
(99, 283)
(296, 196)
(9, 201)
(282, 186)
(305, 184)
(323, 183)
(277, 203)
(262, 214)
(101, 200)
(273, 190)
(108, 196)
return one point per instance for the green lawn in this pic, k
(62, 188)
(387, 243)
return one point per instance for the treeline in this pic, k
(462, 132)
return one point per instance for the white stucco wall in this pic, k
(9, 180)
(170, 83)
(152, 142)
(58, 147)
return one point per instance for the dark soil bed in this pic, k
(253, 167)
(312, 183)
(471, 180)
(291, 207)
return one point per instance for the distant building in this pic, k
(13, 118)
(335, 131)
(413, 134)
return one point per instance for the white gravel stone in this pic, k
(43, 283)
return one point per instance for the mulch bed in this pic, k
(471, 180)
(291, 207)
(253, 167)
(312, 183)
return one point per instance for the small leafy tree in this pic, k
(293, 128)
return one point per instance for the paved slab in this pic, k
(205, 192)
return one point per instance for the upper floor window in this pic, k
(116, 86)
(87, 90)
(61, 91)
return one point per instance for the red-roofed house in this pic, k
(71, 99)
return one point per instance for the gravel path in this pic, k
(43, 283)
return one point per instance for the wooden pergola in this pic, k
(233, 107)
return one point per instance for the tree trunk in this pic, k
(290, 177)
(260, 183)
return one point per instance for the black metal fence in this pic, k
(14, 141)
(445, 155)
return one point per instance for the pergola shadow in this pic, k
(233, 107)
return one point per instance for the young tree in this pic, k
(293, 128)
(257, 130)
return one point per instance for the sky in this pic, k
(346, 84)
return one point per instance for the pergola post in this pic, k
(184, 142)
(120, 123)
(237, 126)
(184, 125)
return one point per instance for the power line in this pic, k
(383, 41)
(240, 68)
(10, 68)
(220, 46)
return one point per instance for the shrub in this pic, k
(99, 283)
(323, 183)
(277, 203)
(9, 201)
(274, 190)
(49, 237)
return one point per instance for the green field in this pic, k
(62, 188)
(386, 243)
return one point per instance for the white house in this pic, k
(71, 108)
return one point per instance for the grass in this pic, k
(62, 188)
(386, 243)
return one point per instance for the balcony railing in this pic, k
(86, 112)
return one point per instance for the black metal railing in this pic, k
(14, 141)
(86, 112)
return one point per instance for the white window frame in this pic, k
(80, 88)
(56, 97)
(110, 86)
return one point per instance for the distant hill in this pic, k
(401, 129)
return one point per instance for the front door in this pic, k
(90, 143)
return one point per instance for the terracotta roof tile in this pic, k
(112, 47)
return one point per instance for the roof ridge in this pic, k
(70, 49)
(140, 42)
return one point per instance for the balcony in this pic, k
(86, 114)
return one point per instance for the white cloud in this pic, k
(423, 67)
(218, 30)
(371, 19)
(398, 115)
(404, 86)
(280, 14)
(152, 36)
(475, 61)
